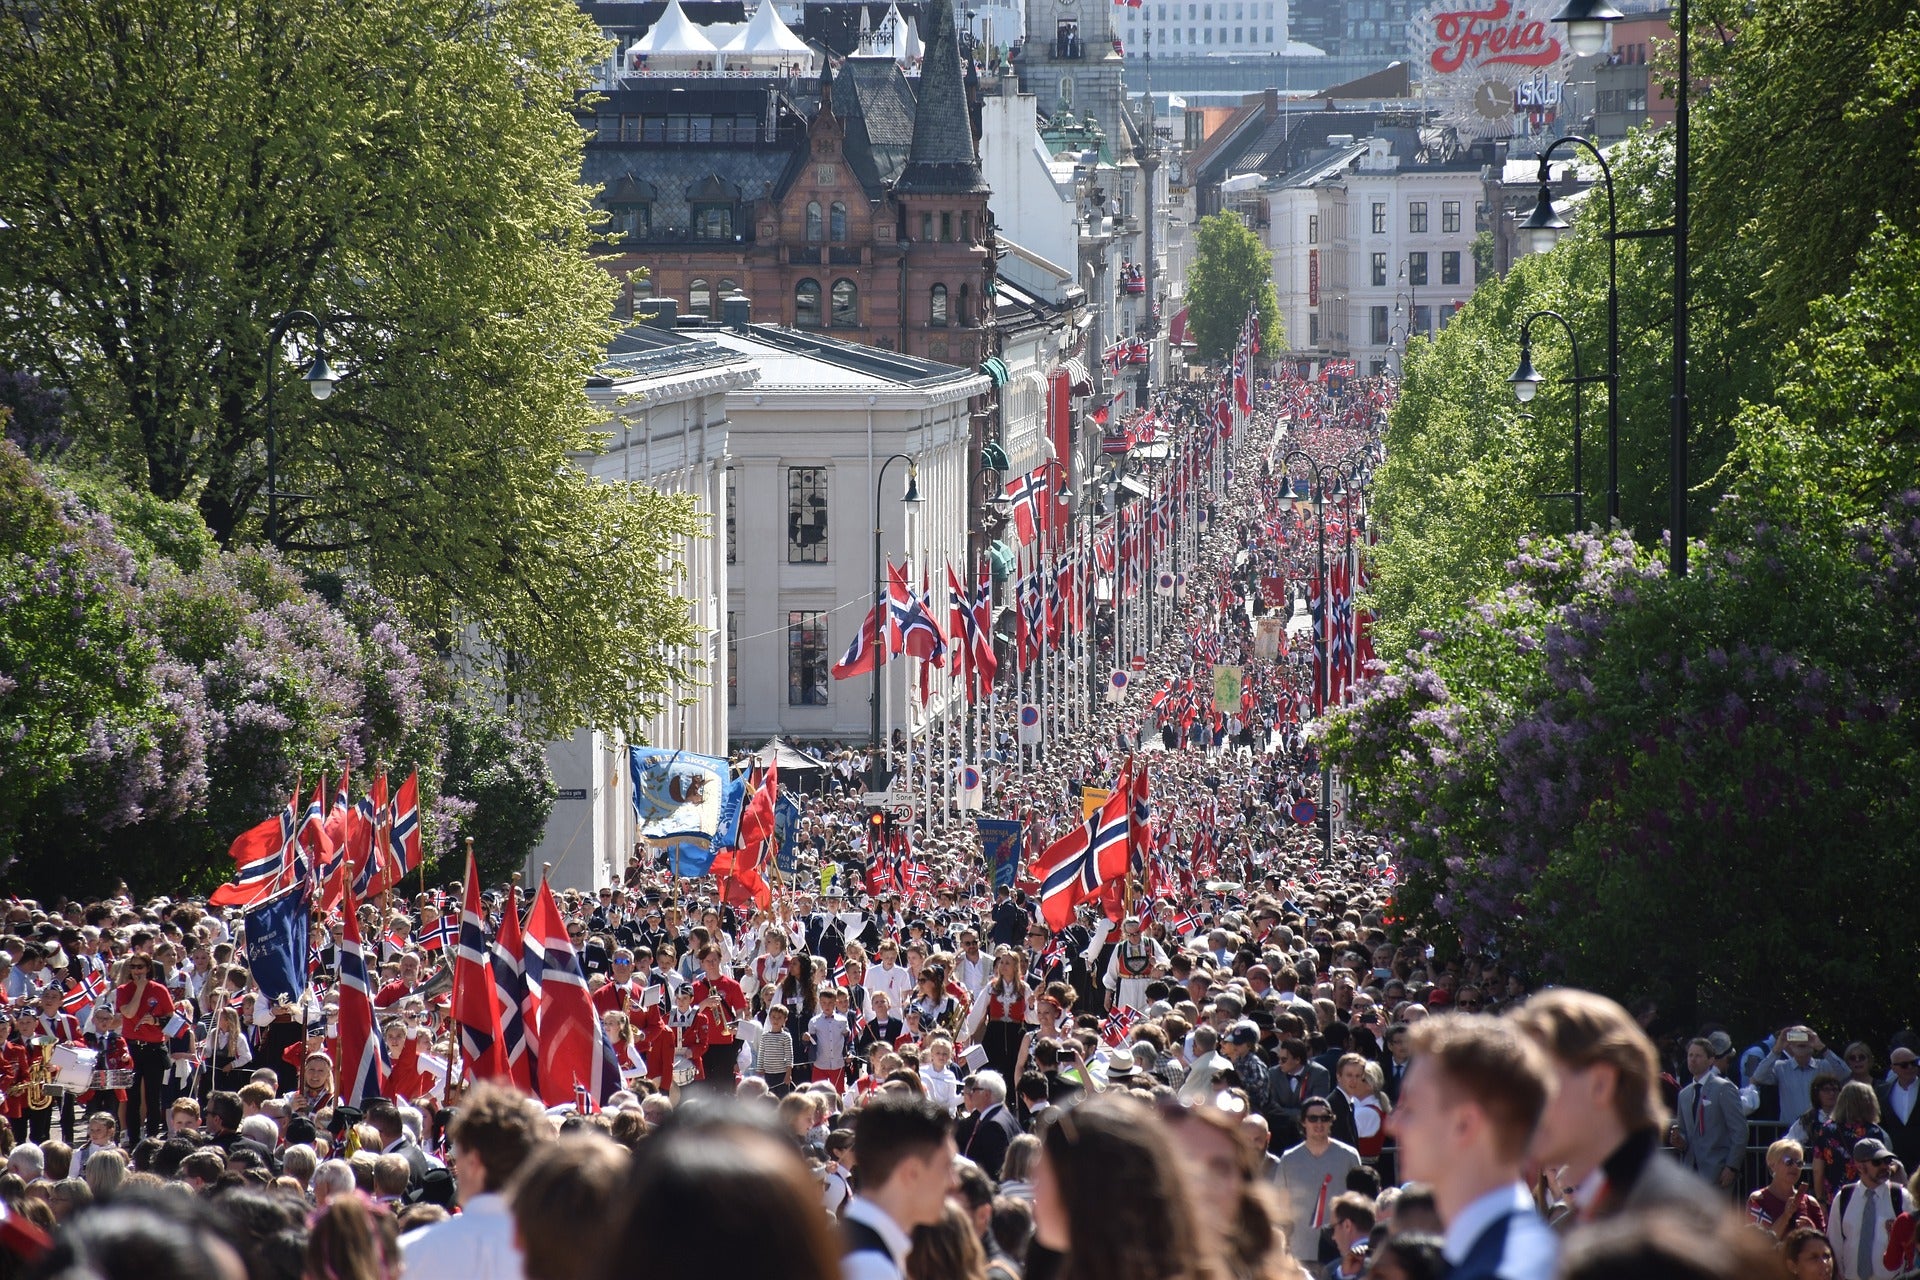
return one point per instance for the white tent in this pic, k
(673, 44)
(766, 42)
(911, 50)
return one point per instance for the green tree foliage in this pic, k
(178, 173)
(504, 777)
(1231, 272)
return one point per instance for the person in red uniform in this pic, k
(682, 1033)
(145, 1007)
(16, 1057)
(721, 999)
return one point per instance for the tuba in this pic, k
(39, 1073)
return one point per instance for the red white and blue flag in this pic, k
(362, 1074)
(1093, 854)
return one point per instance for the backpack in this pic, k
(1845, 1198)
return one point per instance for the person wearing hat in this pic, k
(1860, 1223)
(1899, 1114)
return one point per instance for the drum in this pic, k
(73, 1067)
(684, 1072)
(121, 1078)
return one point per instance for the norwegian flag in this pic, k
(986, 663)
(1027, 497)
(313, 832)
(362, 1074)
(963, 631)
(79, 1002)
(260, 859)
(1074, 868)
(864, 652)
(476, 1005)
(519, 1001)
(403, 837)
(1188, 923)
(1139, 814)
(919, 632)
(573, 1050)
(438, 936)
(1116, 1025)
(1055, 953)
(339, 819)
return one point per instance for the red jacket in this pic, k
(147, 1023)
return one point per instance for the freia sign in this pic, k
(1464, 39)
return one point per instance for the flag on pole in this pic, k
(361, 1071)
(476, 1001)
(567, 1030)
(518, 1001)
(972, 787)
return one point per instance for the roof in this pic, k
(1395, 80)
(766, 35)
(643, 351)
(942, 159)
(792, 359)
(876, 101)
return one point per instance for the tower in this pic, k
(942, 199)
(1069, 56)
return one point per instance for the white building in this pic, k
(666, 425)
(1372, 245)
(808, 444)
(1197, 28)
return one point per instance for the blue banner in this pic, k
(1000, 839)
(276, 933)
(678, 799)
(786, 826)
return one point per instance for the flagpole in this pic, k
(457, 1066)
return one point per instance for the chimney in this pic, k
(660, 313)
(736, 312)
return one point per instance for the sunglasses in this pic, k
(1905, 1066)
(1470, 1006)
(1322, 1118)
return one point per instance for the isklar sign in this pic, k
(1473, 62)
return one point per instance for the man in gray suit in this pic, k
(1709, 1129)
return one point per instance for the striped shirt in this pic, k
(773, 1056)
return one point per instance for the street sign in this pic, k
(571, 793)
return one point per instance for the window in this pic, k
(1450, 267)
(1450, 216)
(937, 306)
(1382, 330)
(926, 226)
(837, 223)
(713, 222)
(1423, 321)
(699, 298)
(806, 659)
(806, 305)
(814, 226)
(846, 305)
(806, 515)
(1379, 219)
(1417, 217)
(1416, 269)
(1379, 270)
(632, 221)
(1209, 34)
(1237, 34)
(1480, 219)
(1313, 328)
(946, 226)
(733, 658)
(733, 514)
(1313, 228)
(726, 290)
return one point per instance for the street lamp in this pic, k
(320, 379)
(1586, 21)
(878, 774)
(1526, 382)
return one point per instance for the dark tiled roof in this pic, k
(875, 99)
(942, 158)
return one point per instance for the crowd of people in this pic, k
(1242, 1068)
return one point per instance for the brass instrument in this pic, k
(39, 1073)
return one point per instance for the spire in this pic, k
(941, 159)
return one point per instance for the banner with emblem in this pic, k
(678, 800)
(1001, 840)
(786, 830)
(1226, 687)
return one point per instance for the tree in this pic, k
(180, 173)
(1231, 273)
(504, 779)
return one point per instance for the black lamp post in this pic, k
(320, 379)
(1286, 499)
(1586, 23)
(878, 772)
(1526, 382)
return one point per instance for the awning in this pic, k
(996, 369)
(1079, 381)
(1000, 557)
(994, 458)
(1135, 487)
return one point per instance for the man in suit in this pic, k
(985, 1133)
(1009, 919)
(1710, 1131)
(1467, 1111)
(1294, 1080)
(1394, 1059)
(1899, 1112)
(1606, 1115)
(384, 1116)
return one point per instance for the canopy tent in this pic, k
(799, 770)
(766, 41)
(673, 43)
